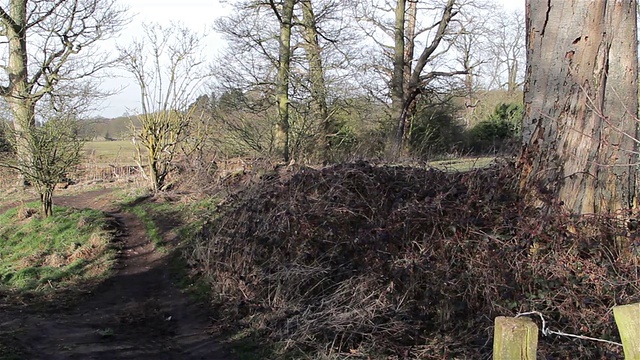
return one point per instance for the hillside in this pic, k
(110, 129)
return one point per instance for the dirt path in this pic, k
(137, 314)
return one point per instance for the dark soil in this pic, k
(139, 313)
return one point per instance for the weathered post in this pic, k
(628, 320)
(515, 339)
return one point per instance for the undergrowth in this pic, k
(362, 261)
(9, 350)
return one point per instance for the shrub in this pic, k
(435, 131)
(500, 132)
(5, 145)
(409, 263)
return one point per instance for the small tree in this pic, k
(167, 66)
(52, 151)
(48, 50)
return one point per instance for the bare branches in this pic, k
(447, 15)
(169, 70)
(51, 42)
(7, 21)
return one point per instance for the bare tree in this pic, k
(408, 65)
(319, 49)
(581, 104)
(55, 148)
(49, 45)
(419, 78)
(313, 52)
(470, 44)
(169, 70)
(507, 40)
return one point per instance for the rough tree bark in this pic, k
(581, 103)
(18, 91)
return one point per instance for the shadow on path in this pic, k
(138, 313)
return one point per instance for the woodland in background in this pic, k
(376, 259)
(339, 93)
(450, 65)
(438, 131)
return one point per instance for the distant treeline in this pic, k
(109, 129)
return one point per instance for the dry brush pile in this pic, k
(402, 262)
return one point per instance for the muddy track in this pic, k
(138, 313)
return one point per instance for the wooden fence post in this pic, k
(515, 339)
(628, 320)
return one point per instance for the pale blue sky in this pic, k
(199, 16)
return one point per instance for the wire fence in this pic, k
(516, 338)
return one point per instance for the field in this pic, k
(120, 152)
(463, 164)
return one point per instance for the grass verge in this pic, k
(180, 220)
(153, 232)
(62, 252)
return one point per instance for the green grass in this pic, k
(189, 214)
(59, 252)
(145, 214)
(121, 152)
(245, 343)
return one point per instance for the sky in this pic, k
(199, 15)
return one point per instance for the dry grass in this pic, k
(361, 261)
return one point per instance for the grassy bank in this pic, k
(64, 251)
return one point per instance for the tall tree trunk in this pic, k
(404, 92)
(282, 81)
(18, 93)
(409, 50)
(512, 82)
(410, 39)
(581, 103)
(316, 77)
(397, 79)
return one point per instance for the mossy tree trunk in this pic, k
(397, 78)
(18, 91)
(313, 53)
(581, 103)
(43, 42)
(282, 82)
